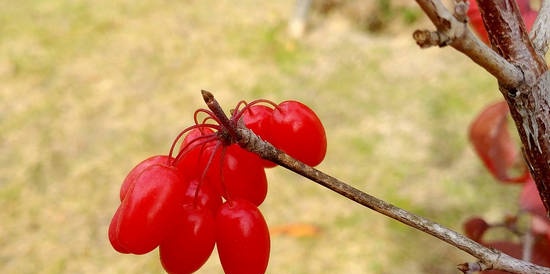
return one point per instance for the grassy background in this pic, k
(90, 88)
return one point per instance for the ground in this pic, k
(90, 88)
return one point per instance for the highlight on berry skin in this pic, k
(206, 191)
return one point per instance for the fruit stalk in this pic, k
(215, 107)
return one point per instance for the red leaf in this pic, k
(530, 201)
(541, 251)
(297, 230)
(475, 227)
(492, 142)
(512, 249)
(540, 226)
(476, 22)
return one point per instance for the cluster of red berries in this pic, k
(209, 192)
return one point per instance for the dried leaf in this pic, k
(540, 226)
(493, 144)
(297, 230)
(475, 228)
(529, 200)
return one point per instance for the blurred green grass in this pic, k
(91, 88)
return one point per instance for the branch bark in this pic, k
(455, 33)
(489, 258)
(540, 33)
(519, 67)
(529, 101)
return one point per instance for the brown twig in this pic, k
(489, 258)
(455, 33)
(519, 67)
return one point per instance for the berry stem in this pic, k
(179, 136)
(239, 112)
(203, 175)
(222, 118)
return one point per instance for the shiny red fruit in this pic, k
(258, 118)
(297, 130)
(230, 171)
(206, 195)
(242, 238)
(191, 244)
(197, 158)
(196, 136)
(239, 175)
(136, 171)
(113, 237)
(146, 213)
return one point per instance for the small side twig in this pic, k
(489, 258)
(469, 268)
(455, 33)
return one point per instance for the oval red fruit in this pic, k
(258, 118)
(241, 175)
(113, 235)
(134, 173)
(196, 136)
(147, 211)
(206, 195)
(242, 238)
(297, 130)
(197, 159)
(191, 244)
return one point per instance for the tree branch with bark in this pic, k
(516, 60)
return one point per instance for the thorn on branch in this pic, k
(426, 38)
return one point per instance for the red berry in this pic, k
(242, 238)
(146, 214)
(136, 171)
(231, 171)
(188, 248)
(206, 195)
(196, 135)
(113, 237)
(297, 130)
(197, 155)
(241, 175)
(258, 118)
